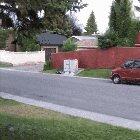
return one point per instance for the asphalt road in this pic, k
(100, 96)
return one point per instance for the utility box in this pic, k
(70, 66)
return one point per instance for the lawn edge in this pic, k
(102, 118)
(41, 72)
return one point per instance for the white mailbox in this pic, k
(70, 66)
(74, 65)
(66, 66)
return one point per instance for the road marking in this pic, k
(116, 121)
(35, 72)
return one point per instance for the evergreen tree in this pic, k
(27, 19)
(91, 26)
(23, 16)
(120, 18)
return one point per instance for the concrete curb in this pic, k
(116, 121)
(14, 70)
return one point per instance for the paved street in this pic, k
(100, 96)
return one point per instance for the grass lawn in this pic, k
(53, 71)
(97, 73)
(22, 122)
(3, 64)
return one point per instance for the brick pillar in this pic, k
(9, 45)
(138, 40)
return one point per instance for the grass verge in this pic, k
(22, 122)
(97, 73)
(5, 64)
(53, 71)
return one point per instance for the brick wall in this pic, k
(97, 58)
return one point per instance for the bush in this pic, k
(103, 42)
(112, 39)
(5, 64)
(69, 45)
(29, 44)
(3, 37)
(47, 66)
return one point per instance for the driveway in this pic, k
(100, 96)
(29, 67)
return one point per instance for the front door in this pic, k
(48, 52)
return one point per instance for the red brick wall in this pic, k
(97, 58)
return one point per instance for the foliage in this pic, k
(3, 37)
(26, 13)
(76, 30)
(5, 64)
(104, 42)
(47, 65)
(120, 18)
(58, 23)
(134, 29)
(91, 26)
(97, 73)
(51, 71)
(69, 45)
(30, 17)
(122, 27)
(62, 24)
(29, 44)
(23, 122)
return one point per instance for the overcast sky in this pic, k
(101, 10)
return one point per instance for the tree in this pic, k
(76, 29)
(58, 21)
(91, 26)
(26, 12)
(23, 16)
(69, 45)
(122, 27)
(63, 24)
(120, 18)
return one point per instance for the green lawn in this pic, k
(53, 71)
(22, 122)
(3, 64)
(97, 73)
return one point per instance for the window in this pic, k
(129, 64)
(137, 64)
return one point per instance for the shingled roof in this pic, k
(51, 39)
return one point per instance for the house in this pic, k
(86, 42)
(51, 41)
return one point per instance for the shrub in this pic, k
(3, 37)
(104, 42)
(29, 44)
(5, 64)
(69, 45)
(47, 66)
(112, 39)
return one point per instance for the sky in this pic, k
(101, 10)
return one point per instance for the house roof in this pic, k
(48, 38)
(85, 37)
(86, 41)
